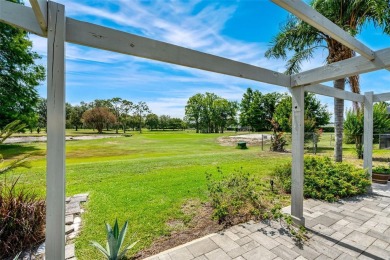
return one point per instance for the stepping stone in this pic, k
(69, 251)
(80, 197)
(68, 229)
(72, 208)
(77, 220)
(68, 219)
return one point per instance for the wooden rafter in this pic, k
(320, 22)
(105, 38)
(40, 10)
(25, 18)
(342, 69)
(336, 93)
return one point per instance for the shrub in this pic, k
(22, 220)
(325, 179)
(239, 197)
(235, 197)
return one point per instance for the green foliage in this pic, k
(151, 121)
(22, 220)
(140, 109)
(239, 197)
(114, 242)
(18, 75)
(10, 129)
(353, 129)
(327, 129)
(316, 114)
(325, 179)
(278, 139)
(257, 109)
(381, 169)
(210, 113)
(354, 125)
(301, 40)
(236, 197)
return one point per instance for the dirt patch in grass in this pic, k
(250, 139)
(200, 224)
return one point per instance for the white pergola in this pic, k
(47, 19)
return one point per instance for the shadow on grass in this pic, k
(11, 151)
(381, 159)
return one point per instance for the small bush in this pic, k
(22, 220)
(239, 197)
(236, 197)
(325, 179)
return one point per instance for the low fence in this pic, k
(319, 143)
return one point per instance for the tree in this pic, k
(193, 110)
(302, 39)
(257, 109)
(98, 117)
(210, 113)
(126, 107)
(315, 114)
(140, 109)
(354, 125)
(41, 110)
(175, 123)
(19, 75)
(76, 115)
(133, 121)
(151, 121)
(164, 121)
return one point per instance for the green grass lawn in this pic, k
(145, 178)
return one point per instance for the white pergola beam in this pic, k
(40, 10)
(368, 131)
(333, 92)
(320, 22)
(382, 97)
(342, 69)
(297, 172)
(100, 37)
(19, 16)
(55, 175)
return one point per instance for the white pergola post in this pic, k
(368, 131)
(55, 176)
(297, 176)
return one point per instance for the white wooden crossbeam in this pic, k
(113, 40)
(20, 16)
(382, 97)
(333, 92)
(342, 69)
(320, 22)
(40, 9)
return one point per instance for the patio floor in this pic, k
(356, 228)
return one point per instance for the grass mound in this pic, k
(325, 179)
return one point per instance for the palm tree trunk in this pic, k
(338, 122)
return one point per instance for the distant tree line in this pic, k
(115, 113)
(210, 113)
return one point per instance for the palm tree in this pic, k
(302, 40)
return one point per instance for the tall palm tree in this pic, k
(302, 40)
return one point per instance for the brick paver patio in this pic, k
(356, 228)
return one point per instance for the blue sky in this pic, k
(239, 30)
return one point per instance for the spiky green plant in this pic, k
(114, 242)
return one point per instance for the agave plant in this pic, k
(114, 242)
